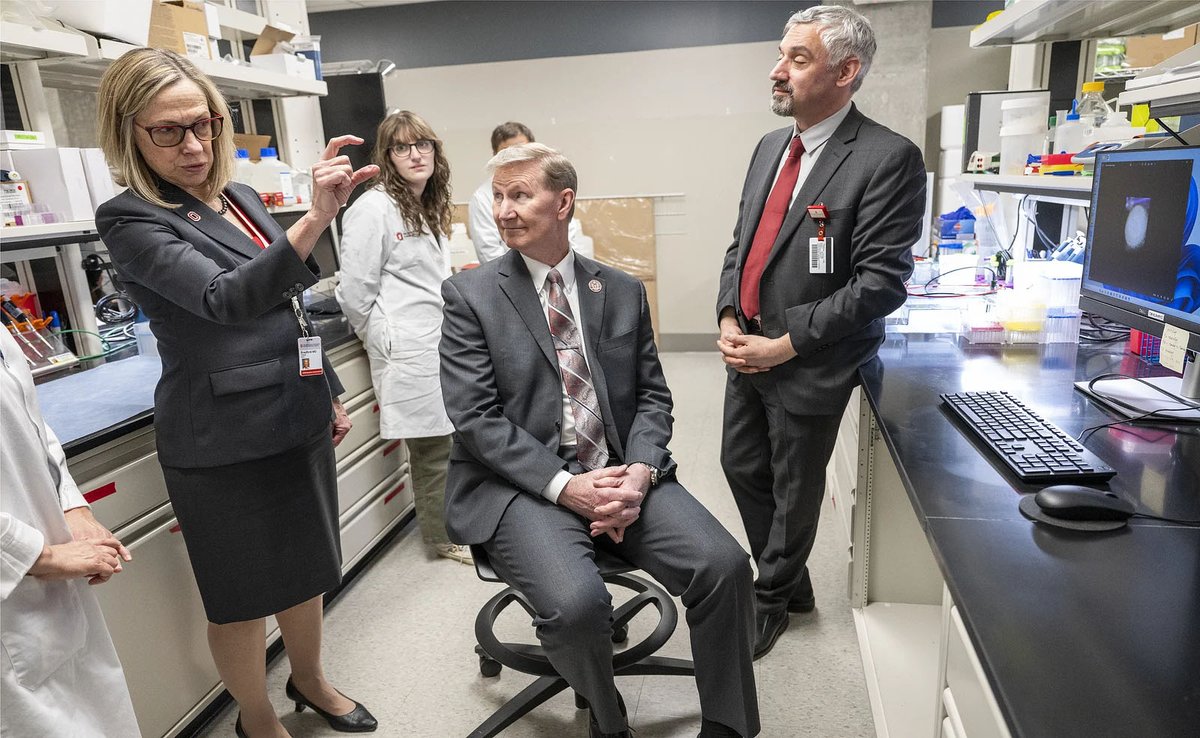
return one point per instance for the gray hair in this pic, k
(845, 32)
(558, 173)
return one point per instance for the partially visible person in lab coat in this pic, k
(395, 254)
(484, 232)
(61, 675)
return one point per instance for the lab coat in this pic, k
(391, 292)
(61, 675)
(486, 235)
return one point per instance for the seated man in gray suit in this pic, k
(562, 418)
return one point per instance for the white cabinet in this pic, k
(365, 418)
(122, 481)
(967, 701)
(376, 514)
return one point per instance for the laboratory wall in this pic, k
(654, 121)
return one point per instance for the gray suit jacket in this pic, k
(872, 180)
(220, 308)
(503, 392)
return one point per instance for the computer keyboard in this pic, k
(1034, 449)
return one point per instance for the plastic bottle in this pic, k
(1093, 110)
(243, 168)
(1117, 128)
(1069, 135)
(275, 176)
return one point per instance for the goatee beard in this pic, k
(783, 106)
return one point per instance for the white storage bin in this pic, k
(126, 20)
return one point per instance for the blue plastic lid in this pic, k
(1072, 116)
(242, 154)
(270, 151)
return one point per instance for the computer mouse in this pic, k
(1073, 502)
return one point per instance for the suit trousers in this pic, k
(546, 552)
(775, 463)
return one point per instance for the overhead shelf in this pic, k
(1169, 97)
(1077, 190)
(236, 81)
(27, 43)
(1042, 21)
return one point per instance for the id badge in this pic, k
(310, 357)
(820, 256)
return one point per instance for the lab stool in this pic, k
(636, 660)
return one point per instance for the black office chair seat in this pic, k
(638, 659)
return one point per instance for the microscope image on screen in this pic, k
(1136, 222)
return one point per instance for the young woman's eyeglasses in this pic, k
(167, 136)
(423, 146)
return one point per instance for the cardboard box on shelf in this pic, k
(1147, 51)
(252, 143)
(270, 37)
(124, 20)
(57, 180)
(293, 65)
(182, 27)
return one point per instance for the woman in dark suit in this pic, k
(245, 432)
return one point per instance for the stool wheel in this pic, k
(580, 702)
(489, 667)
(620, 634)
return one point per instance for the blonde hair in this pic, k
(558, 173)
(433, 209)
(128, 87)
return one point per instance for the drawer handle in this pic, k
(101, 492)
(175, 528)
(391, 447)
(388, 498)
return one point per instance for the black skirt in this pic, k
(262, 535)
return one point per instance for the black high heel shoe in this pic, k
(358, 720)
(238, 730)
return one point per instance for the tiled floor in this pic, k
(400, 639)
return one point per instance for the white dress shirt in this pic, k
(814, 141)
(537, 273)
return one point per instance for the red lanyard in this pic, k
(255, 235)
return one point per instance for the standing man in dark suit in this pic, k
(562, 419)
(830, 208)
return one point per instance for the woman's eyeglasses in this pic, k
(167, 136)
(423, 146)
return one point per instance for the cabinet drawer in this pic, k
(970, 693)
(373, 517)
(122, 494)
(366, 427)
(379, 461)
(157, 621)
(355, 374)
(948, 729)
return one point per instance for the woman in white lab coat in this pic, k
(61, 675)
(394, 257)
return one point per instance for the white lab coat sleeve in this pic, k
(363, 232)
(580, 244)
(484, 233)
(20, 546)
(68, 491)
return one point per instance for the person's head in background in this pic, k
(159, 119)
(533, 188)
(413, 170)
(824, 57)
(508, 134)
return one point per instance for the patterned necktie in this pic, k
(768, 228)
(591, 450)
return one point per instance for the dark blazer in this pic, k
(872, 180)
(503, 392)
(220, 308)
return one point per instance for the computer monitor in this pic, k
(1142, 266)
(325, 251)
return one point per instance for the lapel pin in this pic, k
(193, 215)
(595, 285)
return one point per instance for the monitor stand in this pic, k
(1142, 399)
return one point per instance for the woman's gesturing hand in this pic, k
(334, 178)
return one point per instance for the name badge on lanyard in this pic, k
(820, 249)
(309, 347)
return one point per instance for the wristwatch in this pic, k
(654, 473)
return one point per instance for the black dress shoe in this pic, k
(594, 727)
(767, 629)
(713, 729)
(357, 720)
(802, 603)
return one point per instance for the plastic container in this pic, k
(1062, 327)
(1059, 285)
(243, 168)
(1092, 109)
(274, 176)
(1022, 132)
(1117, 128)
(1070, 136)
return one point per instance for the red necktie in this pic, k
(591, 450)
(768, 228)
